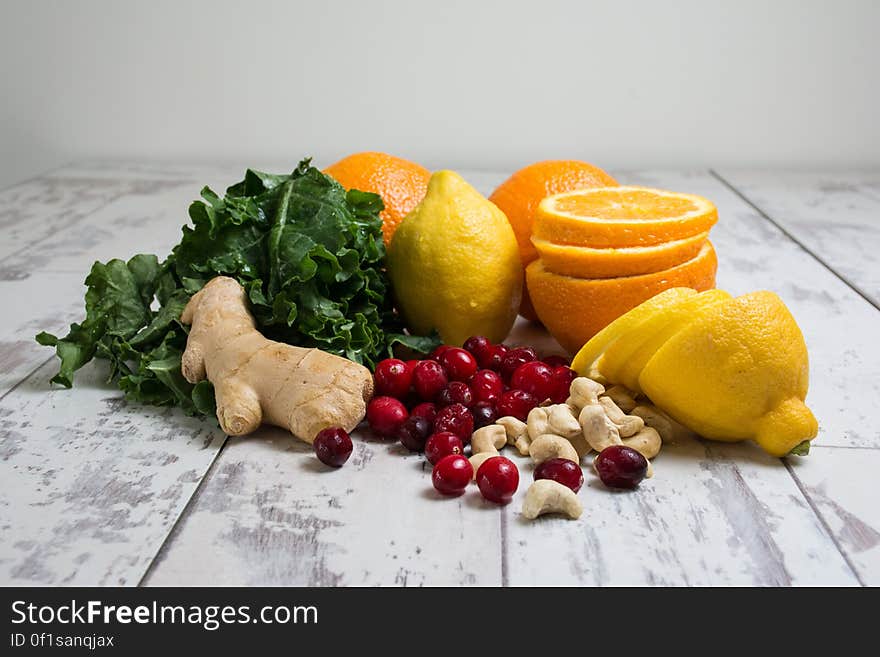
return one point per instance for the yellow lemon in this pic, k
(454, 264)
(739, 370)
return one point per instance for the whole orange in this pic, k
(401, 184)
(518, 197)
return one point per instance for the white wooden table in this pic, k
(97, 491)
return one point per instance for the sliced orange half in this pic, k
(622, 217)
(589, 262)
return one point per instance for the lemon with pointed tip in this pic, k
(739, 370)
(454, 264)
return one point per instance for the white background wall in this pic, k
(449, 82)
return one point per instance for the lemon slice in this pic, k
(590, 353)
(636, 348)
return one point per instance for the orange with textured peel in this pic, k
(622, 217)
(588, 262)
(518, 198)
(401, 184)
(576, 309)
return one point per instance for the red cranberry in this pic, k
(556, 360)
(442, 444)
(493, 360)
(562, 378)
(568, 473)
(435, 355)
(480, 347)
(621, 467)
(517, 403)
(455, 393)
(413, 433)
(429, 378)
(426, 410)
(486, 386)
(498, 479)
(385, 414)
(484, 414)
(535, 378)
(459, 364)
(452, 474)
(411, 366)
(333, 446)
(393, 378)
(456, 419)
(514, 358)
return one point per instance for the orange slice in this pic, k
(622, 217)
(576, 309)
(587, 262)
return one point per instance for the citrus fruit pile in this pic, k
(603, 251)
(728, 368)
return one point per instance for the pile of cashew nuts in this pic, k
(592, 418)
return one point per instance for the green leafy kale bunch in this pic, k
(309, 254)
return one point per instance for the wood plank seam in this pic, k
(26, 377)
(823, 522)
(184, 513)
(855, 288)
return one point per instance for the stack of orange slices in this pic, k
(603, 251)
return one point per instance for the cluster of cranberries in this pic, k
(434, 405)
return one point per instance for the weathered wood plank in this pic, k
(91, 485)
(839, 483)
(271, 514)
(836, 215)
(712, 515)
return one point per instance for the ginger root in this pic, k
(258, 380)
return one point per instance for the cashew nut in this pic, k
(563, 420)
(522, 445)
(548, 496)
(583, 392)
(490, 438)
(647, 442)
(623, 397)
(628, 425)
(537, 422)
(551, 446)
(670, 431)
(599, 431)
(514, 428)
(478, 459)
